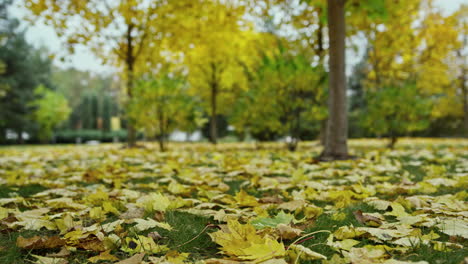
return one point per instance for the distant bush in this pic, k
(71, 136)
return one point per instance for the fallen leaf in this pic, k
(367, 219)
(288, 232)
(38, 242)
(106, 255)
(136, 259)
(241, 241)
(280, 218)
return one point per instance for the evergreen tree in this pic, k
(24, 68)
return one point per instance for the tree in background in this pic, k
(92, 97)
(285, 87)
(4, 25)
(403, 52)
(452, 57)
(24, 69)
(51, 110)
(158, 106)
(106, 113)
(357, 98)
(216, 61)
(396, 111)
(117, 31)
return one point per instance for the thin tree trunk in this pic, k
(392, 143)
(162, 132)
(130, 61)
(20, 137)
(213, 123)
(337, 128)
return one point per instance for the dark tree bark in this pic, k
(130, 61)
(162, 131)
(337, 127)
(214, 97)
(20, 137)
(321, 55)
(213, 121)
(392, 143)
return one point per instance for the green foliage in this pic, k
(24, 69)
(51, 110)
(396, 110)
(161, 105)
(286, 94)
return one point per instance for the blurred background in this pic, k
(227, 70)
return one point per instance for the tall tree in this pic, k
(118, 31)
(159, 106)
(285, 95)
(412, 55)
(217, 58)
(51, 109)
(25, 69)
(337, 127)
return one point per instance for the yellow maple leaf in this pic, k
(263, 251)
(244, 199)
(242, 242)
(154, 202)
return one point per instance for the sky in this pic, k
(40, 34)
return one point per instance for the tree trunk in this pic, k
(20, 137)
(323, 132)
(130, 61)
(213, 123)
(392, 143)
(337, 127)
(464, 94)
(320, 53)
(465, 106)
(162, 131)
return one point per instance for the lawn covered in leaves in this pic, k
(235, 203)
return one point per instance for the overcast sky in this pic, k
(42, 35)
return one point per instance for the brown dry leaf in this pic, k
(155, 236)
(271, 199)
(38, 242)
(63, 253)
(94, 245)
(159, 216)
(288, 232)
(367, 219)
(106, 255)
(132, 213)
(47, 260)
(292, 205)
(136, 259)
(27, 242)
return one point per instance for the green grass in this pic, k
(24, 190)
(429, 254)
(11, 254)
(189, 234)
(325, 222)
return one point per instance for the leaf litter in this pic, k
(110, 205)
